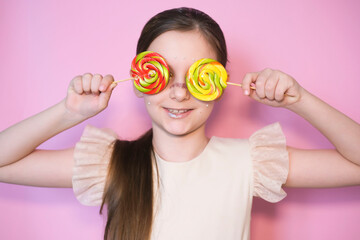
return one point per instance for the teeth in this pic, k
(177, 111)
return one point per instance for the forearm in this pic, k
(340, 130)
(24, 137)
(41, 168)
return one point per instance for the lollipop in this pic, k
(206, 79)
(150, 72)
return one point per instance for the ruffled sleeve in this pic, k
(270, 162)
(92, 155)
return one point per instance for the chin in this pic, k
(181, 130)
(177, 132)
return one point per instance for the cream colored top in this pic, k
(209, 197)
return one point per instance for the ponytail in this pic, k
(129, 190)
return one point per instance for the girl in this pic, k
(174, 182)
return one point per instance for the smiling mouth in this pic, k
(178, 113)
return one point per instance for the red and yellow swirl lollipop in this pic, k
(150, 72)
(206, 79)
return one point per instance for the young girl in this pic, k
(174, 182)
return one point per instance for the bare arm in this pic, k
(41, 168)
(312, 168)
(22, 163)
(326, 168)
(22, 139)
(339, 129)
(321, 168)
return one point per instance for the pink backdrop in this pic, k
(43, 44)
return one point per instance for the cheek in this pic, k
(148, 102)
(150, 99)
(206, 110)
(152, 103)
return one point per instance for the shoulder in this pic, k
(269, 135)
(228, 146)
(94, 133)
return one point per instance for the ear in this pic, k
(138, 93)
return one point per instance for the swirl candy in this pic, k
(206, 79)
(150, 72)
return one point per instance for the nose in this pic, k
(179, 91)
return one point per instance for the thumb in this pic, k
(105, 95)
(247, 81)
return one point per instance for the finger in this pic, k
(254, 96)
(281, 89)
(76, 84)
(104, 98)
(247, 81)
(86, 82)
(106, 82)
(270, 85)
(261, 81)
(95, 84)
(285, 86)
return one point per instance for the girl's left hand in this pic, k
(273, 88)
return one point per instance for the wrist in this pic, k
(301, 102)
(68, 117)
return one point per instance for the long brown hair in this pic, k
(129, 191)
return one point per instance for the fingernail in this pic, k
(102, 88)
(246, 92)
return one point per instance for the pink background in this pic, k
(43, 44)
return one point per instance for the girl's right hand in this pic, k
(88, 95)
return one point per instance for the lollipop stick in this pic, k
(123, 80)
(240, 85)
(251, 87)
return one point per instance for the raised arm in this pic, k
(22, 163)
(312, 168)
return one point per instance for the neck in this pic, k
(179, 148)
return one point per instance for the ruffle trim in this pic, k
(92, 155)
(270, 162)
